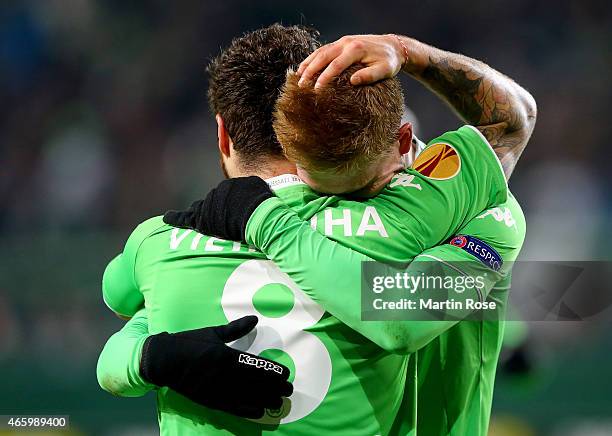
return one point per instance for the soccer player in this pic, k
(463, 381)
(356, 378)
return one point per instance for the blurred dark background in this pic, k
(104, 122)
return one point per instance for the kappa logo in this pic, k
(260, 363)
(439, 161)
(404, 180)
(501, 215)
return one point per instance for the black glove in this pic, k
(198, 365)
(226, 209)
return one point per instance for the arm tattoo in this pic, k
(502, 110)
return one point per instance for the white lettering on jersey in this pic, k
(313, 222)
(176, 241)
(370, 222)
(502, 215)
(345, 221)
(376, 226)
(210, 244)
(196, 241)
(405, 180)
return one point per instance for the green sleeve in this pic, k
(120, 289)
(407, 336)
(331, 274)
(118, 367)
(479, 173)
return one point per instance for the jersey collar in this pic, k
(283, 181)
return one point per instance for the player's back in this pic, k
(344, 384)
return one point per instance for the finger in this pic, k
(308, 59)
(276, 387)
(306, 62)
(250, 393)
(179, 218)
(185, 218)
(236, 329)
(323, 58)
(371, 74)
(274, 403)
(264, 394)
(286, 389)
(337, 66)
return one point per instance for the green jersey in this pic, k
(456, 371)
(344, 383)
(455, 361)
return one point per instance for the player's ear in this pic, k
(223, 136)
(405, 138)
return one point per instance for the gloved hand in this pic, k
(226, 209)
(200, 366)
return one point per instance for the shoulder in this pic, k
(142, 232)
(463, 157)
(146, 228)
(445, 155)
(463, 138)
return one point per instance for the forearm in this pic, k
(331, 274)
(118, 369)
(500, 108)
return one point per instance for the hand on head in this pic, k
(382, 55)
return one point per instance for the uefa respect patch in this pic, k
(479, 249)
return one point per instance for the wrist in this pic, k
(401, 49)
(415, 54)
(151, 365)
(135, 369)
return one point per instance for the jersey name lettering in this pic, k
(370, 222)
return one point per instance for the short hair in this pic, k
(246, 78)
(339, 126)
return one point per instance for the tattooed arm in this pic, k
(502, 110)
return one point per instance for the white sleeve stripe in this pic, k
(486, 141)
(478, 290)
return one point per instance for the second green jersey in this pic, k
(344, 382)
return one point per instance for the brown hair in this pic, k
(245, 80)
(339, 126)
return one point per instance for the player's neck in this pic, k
(385, 171)
(271, 168)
